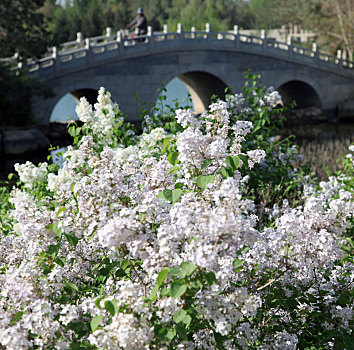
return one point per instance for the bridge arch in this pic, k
(303, 93)
(90, 93)
(201, 84)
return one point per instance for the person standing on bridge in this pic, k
(139, 22)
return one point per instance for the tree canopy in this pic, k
(331, 20)
(29, 26)
(22, 28)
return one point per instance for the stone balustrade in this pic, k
(100, 48)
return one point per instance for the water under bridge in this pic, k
(206, 61)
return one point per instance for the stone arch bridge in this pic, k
(205, 61)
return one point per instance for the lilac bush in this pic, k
(159, 241)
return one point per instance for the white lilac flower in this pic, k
(113, 219)
(29, 173)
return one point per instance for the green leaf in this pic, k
(165, 143)
(177, 272)
(179, 316)
(77, 131)
(154, 290)
(172, 158)
(203, 180)
(162, 275)
(176, 193)
(206, 162)
(71, 286)
(170, 196)
(237, 263)
(95, 322)
(181, 332)
(177, 289)
(187, 320)
(244, 160)
(172, 169)
(71, 131)
(111, 306)
(64, 299)
(57, 230)
(77, 327)
(171, 333)
(124, 264)
(188, 268)
(98, 301)
(120, 273)
(71, 238)
(233, 161)
(165, 194)
(60, 261)
(17, 317)
(53, 250)
(196, 283)
(179, 185)
(61, 210)
(210, 277)
(226, 172)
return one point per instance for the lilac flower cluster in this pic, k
(156, 246)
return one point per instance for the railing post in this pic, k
(20, 65)
(56, 62)
(150, 35)
(264, 38)
(108, 32)
(120, 40)
(207, 30)
(193, 33)
(339, 57)
(88, 50)
(119, 36)
(87, 43)
(79, 38)
(315, 51)
(180, 31)
(344, 58)
(237, 35)
(165, 31)
(289, 41)
(179, 28)
(54, 52)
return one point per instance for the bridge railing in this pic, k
(90, 49)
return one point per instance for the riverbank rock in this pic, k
(311, 115)
(57, 133)
(346, 111)
(21, 142)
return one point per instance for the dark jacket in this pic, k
(140, 23)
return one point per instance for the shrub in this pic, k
(166, 240)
